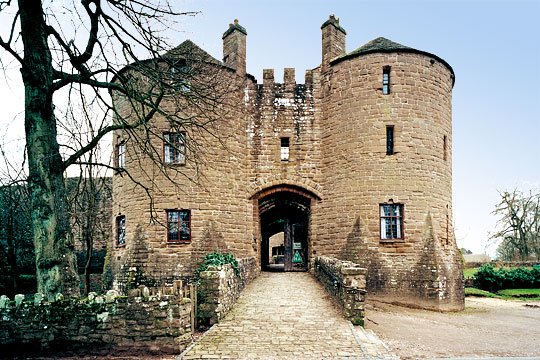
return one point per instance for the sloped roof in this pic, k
(379, 44)
(384, 45)
(189, 50)
(233, 27)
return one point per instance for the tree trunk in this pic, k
(56, 262)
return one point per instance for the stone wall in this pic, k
(153, 320)
(220, 287)
(336, 129)
(423, 267)
(346, 281)
(210, 184)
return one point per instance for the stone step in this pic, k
(372, 345)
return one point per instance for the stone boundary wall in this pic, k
(220, 287)
(156, 320)
(346, 281)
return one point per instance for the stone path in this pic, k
(287, 316)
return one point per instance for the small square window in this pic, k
(391, 217)
(121, 230)
(284, 149)
(178, 225)
(174, 149)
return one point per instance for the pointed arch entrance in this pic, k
(284, 218)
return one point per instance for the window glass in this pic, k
(391, 221)
(389, 140)
(178, 225)
(386, 80)
(174, 149)
(121, 230)
(284, 148)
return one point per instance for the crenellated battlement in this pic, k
(288, 89)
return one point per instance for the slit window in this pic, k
(121, 230)
(174, 149)
(121, 155)
(178, 225)
(391, 216)
(444, 147)
(386, 80)
(284, 149)
(389, 140)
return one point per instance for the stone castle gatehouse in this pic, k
(356, 163)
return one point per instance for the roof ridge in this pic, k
(189, 50)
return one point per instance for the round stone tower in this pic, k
(387, 154)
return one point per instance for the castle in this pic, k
(356, 163)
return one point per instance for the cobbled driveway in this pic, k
(287, 316)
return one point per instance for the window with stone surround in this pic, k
(284, 149)
(178, 226)
(386, 80)
(121, 230)
(389, 139)
(391, 218)
(121, 155)
(180, 76)
(174, 149)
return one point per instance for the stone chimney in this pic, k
(333, 41)
(234, 48)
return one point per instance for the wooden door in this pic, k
(299, 246)
(287, 242)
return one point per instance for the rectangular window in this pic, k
(391, 221)
(444, 147)
(121, 230)
(180, 73)
(386, 80)
(174, 150)
(284, 148)
(389, 139)
(178, 225)
(121, 155)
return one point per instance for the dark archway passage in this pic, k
(288, 213)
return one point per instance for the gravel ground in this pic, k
(486, 328)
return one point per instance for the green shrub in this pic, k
(218, 258)
(491, 279)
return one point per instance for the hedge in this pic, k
(491, 279)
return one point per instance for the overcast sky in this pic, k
(493, 47)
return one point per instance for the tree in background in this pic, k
(519, 224)
(16, 248)
(73, 55)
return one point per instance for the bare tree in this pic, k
(519, 219)
(90, 52)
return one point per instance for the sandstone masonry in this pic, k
(355, 164)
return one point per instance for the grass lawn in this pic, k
(532, 293)
(469, 272)
(515, 294)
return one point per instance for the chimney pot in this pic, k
(230, 25)
(236, 21)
